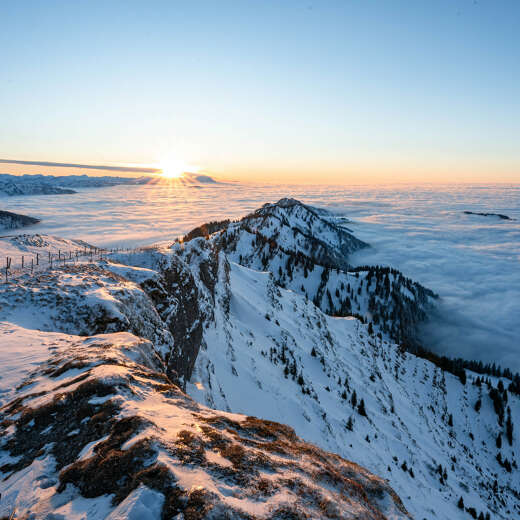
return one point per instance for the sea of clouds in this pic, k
(471, 261)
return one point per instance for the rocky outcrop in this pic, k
(10, 220)
(177, 300)
(93, 423)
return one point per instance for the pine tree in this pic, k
(350, 424)
(509, 427)
(361, 408)
(450, 420)
(353, 399)
(460, 503)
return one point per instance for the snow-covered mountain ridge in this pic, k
(308, 252)
(240, 342)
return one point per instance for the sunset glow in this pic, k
(283, 108)
(175, 169)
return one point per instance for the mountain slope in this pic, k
(270, 350)
(96, 430)
(275, 354)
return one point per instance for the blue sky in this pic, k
(311, 91)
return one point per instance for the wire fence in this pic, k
(32, 262)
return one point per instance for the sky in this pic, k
(312, 92)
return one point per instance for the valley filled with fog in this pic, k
(471, 261)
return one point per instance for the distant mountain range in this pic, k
(14, 185)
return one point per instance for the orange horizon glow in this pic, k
(359, 173)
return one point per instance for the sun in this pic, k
(175, 169)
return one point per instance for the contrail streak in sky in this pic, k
(133, 169)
